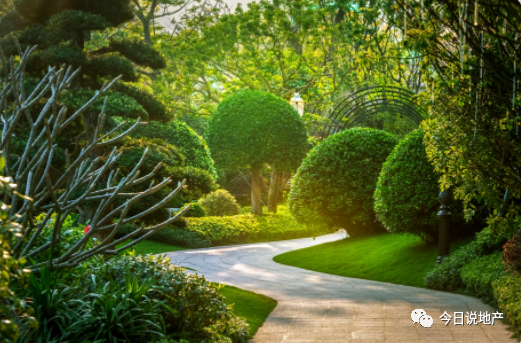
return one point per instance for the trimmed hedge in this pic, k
(406, 195)
(245, 228)
(334, 186)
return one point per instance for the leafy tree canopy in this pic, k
(253, 128)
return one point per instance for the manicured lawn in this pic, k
(151, 247)
(252, 307)
(395, 258)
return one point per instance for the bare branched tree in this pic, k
(84, 180)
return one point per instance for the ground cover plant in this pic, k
(334, 186)
(239, 229)
(396, 258)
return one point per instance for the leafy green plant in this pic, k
(11, 272)
(511, 255)
(191, 307)
(334, 186)
(118, 313)
(447, 275)
(250, 129)
(506, 292)
(406, 195)
(220, 203)
(478, 274)
(179, 134)
(195, 210)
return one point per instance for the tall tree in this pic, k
(251, 129)
(471, 62)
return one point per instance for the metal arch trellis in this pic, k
(369, 101)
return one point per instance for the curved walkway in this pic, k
(319, 308)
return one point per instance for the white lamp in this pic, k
(298, 103)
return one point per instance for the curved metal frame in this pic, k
(369, 101)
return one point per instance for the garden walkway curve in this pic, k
(319, 308)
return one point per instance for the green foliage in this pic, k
(192, 307)
(447, 275)
(406, 195)
(253, 128)
(334, 186)
(71, 233)
(156, 110)
(199, 182)
(60, 29)
(195, 210)
(508, 297)
(117, 104)
(245, 228)
(478, 274)
(220, 203)
(138, 52)
(130, 299)
(511, 255)
(177, 133)
(11, 306)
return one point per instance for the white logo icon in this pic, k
(426, 321)
(416, 314)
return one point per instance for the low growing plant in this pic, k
(220, 203)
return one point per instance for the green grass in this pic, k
(151, 247)
(252, 307)
(395, 258)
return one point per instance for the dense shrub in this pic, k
(193, 309)
(11, 272)
(508, 297)
(335, 183)
(130, 299)
(479, 274)
(177, 133)
(447, 275)
(406, 195)
(195, 210)
(245, 228)
(512, 253)
(220, 203)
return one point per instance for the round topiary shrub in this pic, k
(406, 195)
(334, 186)
(220, 203)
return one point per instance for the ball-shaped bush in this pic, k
(406, 195)
(334, 186)
(220, 203)
(252, 128)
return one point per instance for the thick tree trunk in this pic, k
(273, 196)
(256, 201)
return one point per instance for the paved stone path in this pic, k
(319, 308)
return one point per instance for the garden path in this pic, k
(319, 308)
